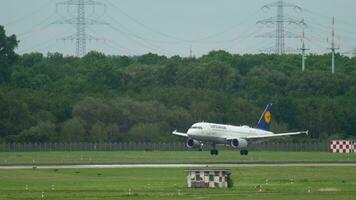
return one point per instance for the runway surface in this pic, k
(113, 166)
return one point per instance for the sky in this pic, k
(178, 27)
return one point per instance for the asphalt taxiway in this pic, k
(215, 165)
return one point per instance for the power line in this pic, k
(242, 22)
(41, 45)
(36, 28)
(180, 40)
(346, 32)
(260, 45)
(28, 16)
(38, 46)
(129, 35)
(316, 41)
(108, 42)
(242, 37)
(144, 25)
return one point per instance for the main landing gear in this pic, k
(243, 152)
(214, 151)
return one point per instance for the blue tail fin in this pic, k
(265, 119)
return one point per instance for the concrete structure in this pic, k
(343, 146)
(205, 178)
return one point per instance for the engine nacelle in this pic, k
(239, 143)
(191, 143)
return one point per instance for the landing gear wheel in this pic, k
(214, 152)
(244, 152)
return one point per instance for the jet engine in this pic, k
(239, 143)
(191, 143)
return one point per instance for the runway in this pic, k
(223, 165)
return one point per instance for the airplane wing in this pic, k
(180, 134)
(277, 135)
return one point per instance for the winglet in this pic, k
(307, 132)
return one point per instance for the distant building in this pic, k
(204, 178)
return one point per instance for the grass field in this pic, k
(166, 157)
(170, 183)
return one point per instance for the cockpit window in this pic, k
(196, 127)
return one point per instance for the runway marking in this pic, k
(113, 166)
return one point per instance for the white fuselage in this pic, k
(219, 133)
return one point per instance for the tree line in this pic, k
(114, 98)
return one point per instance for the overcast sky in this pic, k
(172, 27)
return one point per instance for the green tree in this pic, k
(14, 114)
(144, 98)
(73, 130)
(98, 132)
(148, 132)
(7, 54)
(44, 131)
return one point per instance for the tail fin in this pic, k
(265, 119)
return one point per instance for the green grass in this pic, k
(165, 157)
(170, 183)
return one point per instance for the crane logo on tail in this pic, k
(265, 119)
(268, 117)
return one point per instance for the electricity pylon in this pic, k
(80, 21)
(280, 20)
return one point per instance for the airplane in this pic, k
(236, 136)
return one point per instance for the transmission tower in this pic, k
(333, 46)
(280, 21)
(80, 21)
